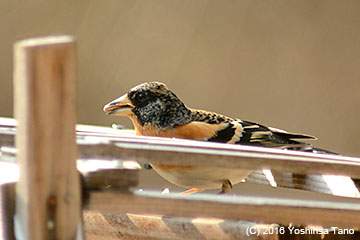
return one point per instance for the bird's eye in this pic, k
(141, 96)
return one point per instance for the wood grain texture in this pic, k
(106, 143)
(7, 211)
(48, 191)
(111, 179)
(141, 226)
(135, 226)
(186, 152)
(248, 208)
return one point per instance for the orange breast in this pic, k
(194, 130)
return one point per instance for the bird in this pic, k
(155, 110)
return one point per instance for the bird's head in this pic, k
(151, 103)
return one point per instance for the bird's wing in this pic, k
(236, 131)
(259, 135)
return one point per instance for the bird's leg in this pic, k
(192, 190)
(226, 187)
(147, 166)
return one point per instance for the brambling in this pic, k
(156, 111)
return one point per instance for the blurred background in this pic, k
(288, 64)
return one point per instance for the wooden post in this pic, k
(7, 209)
(48, 191)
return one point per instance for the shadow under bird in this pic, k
(156, 111)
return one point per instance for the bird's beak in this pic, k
(121, 106)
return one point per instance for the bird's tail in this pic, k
(319, 150)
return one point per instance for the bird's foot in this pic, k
(191, 191)
(226, 187)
